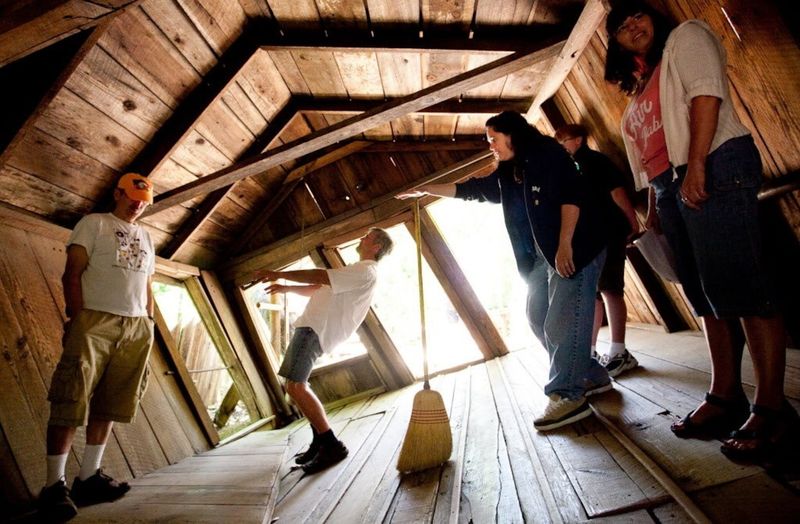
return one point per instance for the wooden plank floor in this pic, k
(501, 469)
(233, 483)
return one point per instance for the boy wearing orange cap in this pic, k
(101, 375)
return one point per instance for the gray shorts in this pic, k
(303, 351)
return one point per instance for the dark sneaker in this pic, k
(97, 488)
(619, 363)
(327, 456)
(560, 412)
(55, 504)
(597, 388)
(304, 457)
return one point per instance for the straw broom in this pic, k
(428, 441)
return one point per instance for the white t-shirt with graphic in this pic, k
(334, 312)
(121, 259)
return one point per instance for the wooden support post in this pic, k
(184, 379)
(456, 285)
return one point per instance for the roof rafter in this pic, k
(352, 126)
(593, 14)
(455, 106)
(212, 201)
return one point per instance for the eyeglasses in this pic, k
(627, 26)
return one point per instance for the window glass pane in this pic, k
(279, 313)
(207, 369)
(396, 303)
(476, 234)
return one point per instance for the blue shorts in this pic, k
(718, 248)
(303, 351)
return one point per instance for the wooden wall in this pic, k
(32, 312)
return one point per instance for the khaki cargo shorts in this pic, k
(103, 369)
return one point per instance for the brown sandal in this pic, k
(734, 414)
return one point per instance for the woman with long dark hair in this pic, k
(703, 170)
(559, 247)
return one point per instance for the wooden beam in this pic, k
(28, 26)
(457, 106)
(477, 143)
(222, 343)
(287, 250)
(289, 184)
(494, 41)
(593, 14)
(458, 289)
(213, 201)
(263, 353)
(231, 324)
(384, 354)
(184, 378)
(353, 126)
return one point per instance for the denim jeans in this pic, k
(565, 321)
(718, 247)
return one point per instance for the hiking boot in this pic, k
(327, 456)
(560, 412)
(596, 388)
(619, 363)
(55, 504)
(97, 488)
(304, 457)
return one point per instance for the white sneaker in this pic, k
(560, 412)
(619, 363)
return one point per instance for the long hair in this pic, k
(523, 135)
(620, 65)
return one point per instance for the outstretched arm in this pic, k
(303, 276)
(305, 291)
(442, 190)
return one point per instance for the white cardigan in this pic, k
(693, 64)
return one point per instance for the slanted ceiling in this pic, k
(258, 118)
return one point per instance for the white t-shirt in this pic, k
(121, 258)
(334, 312)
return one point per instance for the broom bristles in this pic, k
(428, 441)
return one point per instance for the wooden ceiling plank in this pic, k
(177, 128)
(350, 127)
(220, 23)
(592, 15)
(33, 25)
(501, 40)
(215, 199)
(44, 103)
(183, 33)
(286, 250)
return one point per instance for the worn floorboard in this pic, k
(501, 469)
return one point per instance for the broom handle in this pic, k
(421, 295)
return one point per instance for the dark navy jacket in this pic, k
(501, 188)
(550, 179)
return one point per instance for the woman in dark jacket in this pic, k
(559, 250)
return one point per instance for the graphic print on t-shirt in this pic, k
(130, 254)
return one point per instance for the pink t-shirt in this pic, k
(644, 127)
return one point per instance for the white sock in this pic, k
(616, 348)
(91, 461)
(56, 468)
(594, 350)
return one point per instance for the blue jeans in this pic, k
(564, 317)
(718, 247)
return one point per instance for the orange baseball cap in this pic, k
(137, 187)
